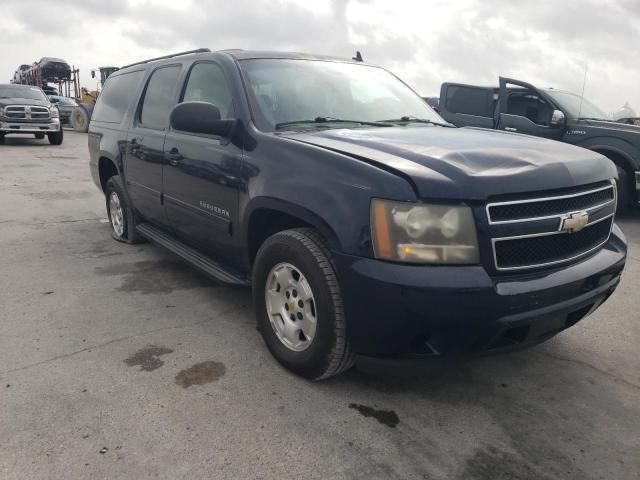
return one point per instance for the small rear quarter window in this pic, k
(116, 96)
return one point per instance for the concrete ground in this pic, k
(119, 361)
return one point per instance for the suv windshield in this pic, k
(284, 92)
(29, 93)
(570, 102)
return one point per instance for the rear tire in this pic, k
(56, 137)
(288, 262)
(121, 215)
(39, 136)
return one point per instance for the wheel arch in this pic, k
(267, 216)
(616, 155)
(107, 168)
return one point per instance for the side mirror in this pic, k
(557, 119)
(93, 74)
(54, 100)
(200, 117)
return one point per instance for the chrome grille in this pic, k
(546, 207)
(544, 230)
(25, 112)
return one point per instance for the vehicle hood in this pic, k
(23, 101)
(466, 163)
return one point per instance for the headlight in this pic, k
(420, 233)
(54, 112)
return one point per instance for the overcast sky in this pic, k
(425, 42)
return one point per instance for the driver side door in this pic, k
(524, 109)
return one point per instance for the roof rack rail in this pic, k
(188, 52)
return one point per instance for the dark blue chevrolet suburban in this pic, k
(369, 228)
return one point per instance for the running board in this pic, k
(189, 255)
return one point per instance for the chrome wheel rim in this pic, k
(116, 214)
(291, 307)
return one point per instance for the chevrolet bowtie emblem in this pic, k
(574, 222)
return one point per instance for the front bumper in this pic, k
(415, 312)
(25, 127)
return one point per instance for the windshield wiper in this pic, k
(322, 120)
(412, 119)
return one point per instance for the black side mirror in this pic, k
(93, 74)
(200, 117)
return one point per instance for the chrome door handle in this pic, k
(510, 129)
(173, 156)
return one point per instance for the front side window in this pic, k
(159, 98)
(529, 105)
(116, 96)
(207, 83)
(296, 90)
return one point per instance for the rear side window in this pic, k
(159, 98)
(469, 100)
(207, 83)
(116, 96)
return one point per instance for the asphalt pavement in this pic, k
(120, 361)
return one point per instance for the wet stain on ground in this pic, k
(156, 277)
(494, 464)
(385, 417)
(148, 358)
(201, 373)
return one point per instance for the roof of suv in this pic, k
(239, 54)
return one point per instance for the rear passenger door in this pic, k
(145, 158)
(467, 105)
(202, 178)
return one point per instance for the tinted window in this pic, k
(116, 96)
(159, 97)
(206, 83)
(469, 100)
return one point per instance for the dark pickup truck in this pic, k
(520, 107)
(369, 229)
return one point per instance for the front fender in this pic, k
(326, 189)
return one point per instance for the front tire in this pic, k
(120, 214)
(55, 138)
(299, 304)
(624, 189)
